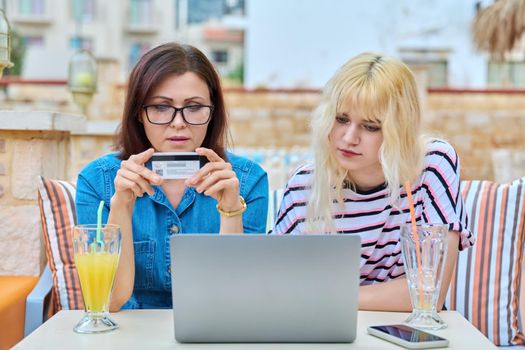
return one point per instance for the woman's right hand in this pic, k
(134, 179)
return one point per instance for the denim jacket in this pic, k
(155, 220)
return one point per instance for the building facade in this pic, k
(300, 43)
(123, 30)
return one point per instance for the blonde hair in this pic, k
(378, 88)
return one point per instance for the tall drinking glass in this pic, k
(96, 253)
(424, 257)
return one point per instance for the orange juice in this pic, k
(96, 271)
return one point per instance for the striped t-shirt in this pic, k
(437, 199)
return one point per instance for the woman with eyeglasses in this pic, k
(174, 103)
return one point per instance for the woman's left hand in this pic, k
(217, 180)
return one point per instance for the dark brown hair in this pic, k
(152, 68)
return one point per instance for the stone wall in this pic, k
(487, 129)
(92, 142)
(270, 119)
(31, 144)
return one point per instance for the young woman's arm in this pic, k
(394, 295)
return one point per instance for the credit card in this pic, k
(176, 165)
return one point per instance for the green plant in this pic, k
(237, 75)
(18, 50)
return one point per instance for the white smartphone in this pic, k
(408, 337)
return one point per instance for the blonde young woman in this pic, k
(367, 143)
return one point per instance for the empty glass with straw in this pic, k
(424, 250)
(96, 250)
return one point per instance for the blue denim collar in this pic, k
(187, 199)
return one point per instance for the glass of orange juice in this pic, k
(96, 251)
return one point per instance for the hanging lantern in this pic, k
(82, 78)
(5, 43)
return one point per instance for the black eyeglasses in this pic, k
(165, 114)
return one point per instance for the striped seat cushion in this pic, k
(485, 286)
(57, 211)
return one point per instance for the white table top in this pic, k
(153, 329)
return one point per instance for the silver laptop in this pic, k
(260, 288)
